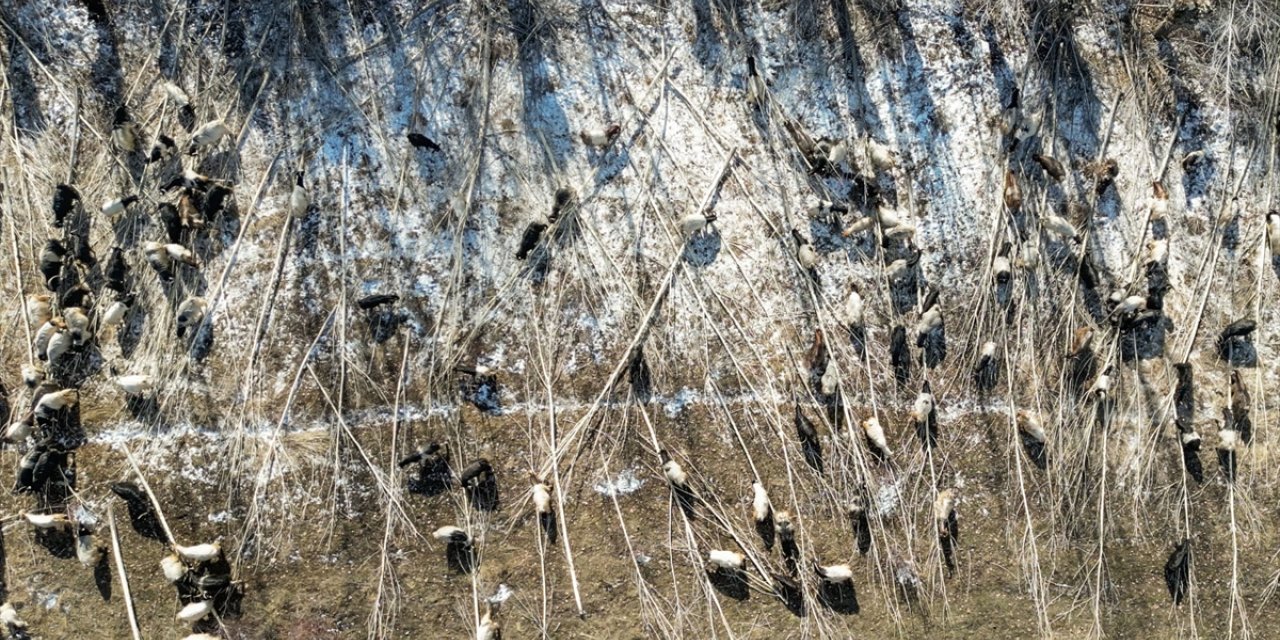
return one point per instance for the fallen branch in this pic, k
(124, 576)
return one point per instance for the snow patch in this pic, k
(625, 484)
(678, 402)
(887, 499)
(504, 592)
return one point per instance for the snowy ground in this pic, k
(282, 435)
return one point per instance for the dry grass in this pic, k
(284, 437)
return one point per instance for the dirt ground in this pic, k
(315, 573)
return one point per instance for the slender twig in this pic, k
(641, 332)
(124, 576)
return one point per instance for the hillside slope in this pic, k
(277, 421)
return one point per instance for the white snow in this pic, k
(625, 483)
(503, 593)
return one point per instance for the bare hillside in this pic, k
(585, 241)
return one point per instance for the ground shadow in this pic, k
(129, 334)
(934, 346)
(1191, 459)
(840, 597)
(861, 531)
(202, 341)
(812, 450)
(144, 409)
(639, 376)
(28, 116)
(60, 542)
(383, 322)
(1036, 451)
(701, 249)
(765, 529)
(483, 495)
(102, 577)
(433, 477)
(538, 266)
(1144, 340)
(731, 583)
(1063, 74)
(547, 522)
(900, 356)
(687, 501)
(536, 52)
(142, 514)
(790, 593)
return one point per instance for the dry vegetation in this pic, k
(279, 425)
